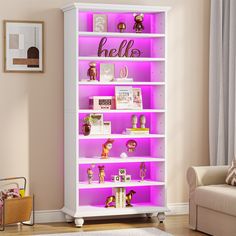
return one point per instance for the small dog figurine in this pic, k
(101, 174)
(106, 147)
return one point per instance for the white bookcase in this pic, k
(149, 73)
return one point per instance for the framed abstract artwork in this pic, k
(23, 46)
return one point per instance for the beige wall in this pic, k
(31, 105)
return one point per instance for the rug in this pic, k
(120, 232)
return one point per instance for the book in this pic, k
(124, 97)
(137, 131)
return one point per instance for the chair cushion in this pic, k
(231, 175)
(220, 198)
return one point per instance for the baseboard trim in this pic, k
(53, 216)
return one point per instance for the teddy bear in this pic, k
(138, 25)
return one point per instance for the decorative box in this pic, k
(102, 102)
(125, 178)
(115, 178)
(122, 171)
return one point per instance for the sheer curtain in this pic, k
(222, 86)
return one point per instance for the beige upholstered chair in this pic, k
(212, 203)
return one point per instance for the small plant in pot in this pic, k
(86, 128)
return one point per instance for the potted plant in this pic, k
(86, 128)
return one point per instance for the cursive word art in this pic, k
(124, 50)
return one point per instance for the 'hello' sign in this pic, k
(124, 50)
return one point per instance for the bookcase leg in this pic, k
(161, 217)
(149, 215)
(69, 218)
(79, 222)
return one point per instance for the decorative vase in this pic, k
(86, 128)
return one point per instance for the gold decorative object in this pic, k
(129, 197)
(121, 27)
(106, 147)
(124, 71)
(131, 145)
(143, 171)
(92, 71)
(110, 200)
(101, 174)
(138, 25)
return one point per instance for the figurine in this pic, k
(90, 175)
(143, 171)
(131, 145)
(129, 197)
(142, 120)
(138, 25)
(101, 174)
(124, 71)
(110, 200)
(106, 147)
(134, 121)
(92, 71)
(121, 27)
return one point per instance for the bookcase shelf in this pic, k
(148, 73)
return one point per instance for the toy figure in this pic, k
(90, 175)
(138, 25)
(142, 119)
(129, 197)
(110, 200)
(143, 171)
(92, 71)
(131, 145)
(134, 121)
(101, 174)
(121, 27)
(106, 147)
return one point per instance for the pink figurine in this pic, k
(106, 147)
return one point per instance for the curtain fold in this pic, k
(222, 93)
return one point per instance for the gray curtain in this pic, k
(222, 90)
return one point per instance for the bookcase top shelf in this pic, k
(98, 160)
(135, 59)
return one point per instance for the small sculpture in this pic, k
(131, 145)
(138, 25)
(121, 27)
(134, 119)
(92, 71)
(110, 200)
(124, 71)
(123, 155)
(142, 120)
(106, 147)
(90, 175)
(101, 174)
(129, 197)
(143, 171)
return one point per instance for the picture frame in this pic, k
(124, 97)
(107, 72)
(96, 124)
(23, 46)
(99, 23)
(137, 99)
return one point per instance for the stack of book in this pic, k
(120, 194)
(134, 131)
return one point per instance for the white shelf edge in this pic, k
(121, 136)
(98, 160)
(120, 83)
(122, 111)
(135, 59)
(107, 184)
(120, 35)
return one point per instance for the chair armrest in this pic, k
(206, 175)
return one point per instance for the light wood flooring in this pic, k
(176, 225)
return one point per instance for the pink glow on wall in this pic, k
(153, 23)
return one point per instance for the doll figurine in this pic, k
(106, 147)
(138, 25)
(101, 174)
(92, 71)
(131, 145)
(134, 121)
(90, 175)
(142, 120)
(143, 171)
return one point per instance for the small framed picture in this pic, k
(107, 127)
(23, 46)
(124, 97)
(107, 72)
(96, 124)
(137, 99)
(99, 23)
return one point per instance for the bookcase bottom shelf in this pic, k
(93, 211)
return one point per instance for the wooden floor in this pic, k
(176, 225)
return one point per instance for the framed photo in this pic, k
(124, 97)
(107, 72)
(137, 99)
(99, 23)
(23, 46)
(96, 124)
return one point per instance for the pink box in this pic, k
(102, 103)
